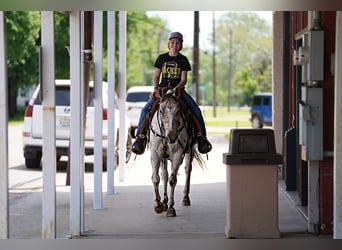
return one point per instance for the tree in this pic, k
(62, 43)
(251, 54)
(22, 52)
(245, 87)
(146, 38)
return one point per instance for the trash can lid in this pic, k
(252, 159)
(252, 146)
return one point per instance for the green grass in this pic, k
(235, 118)
(224, 118)
(18, 118)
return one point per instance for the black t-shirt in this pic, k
(171, 68)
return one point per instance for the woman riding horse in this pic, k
(174, 67)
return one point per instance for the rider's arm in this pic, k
(182, 82)
(156, 77)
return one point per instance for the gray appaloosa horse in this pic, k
(171, 140)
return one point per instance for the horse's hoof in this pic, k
(186, 201)
(159, 208)
(171, 212)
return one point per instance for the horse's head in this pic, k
(169, 111)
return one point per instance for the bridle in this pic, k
(161, 125)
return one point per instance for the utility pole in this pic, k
(230, 70)
(214, 68)
(195, 74)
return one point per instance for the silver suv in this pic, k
(33, 126)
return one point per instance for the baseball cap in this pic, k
(176, 35)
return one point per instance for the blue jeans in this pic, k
(195, 110)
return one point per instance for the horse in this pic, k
(171, 138)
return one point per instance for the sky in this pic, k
(183, 21)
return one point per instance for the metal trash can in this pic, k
(252, 184)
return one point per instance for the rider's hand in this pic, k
(154, 94)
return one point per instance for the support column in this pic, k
(4, 213)
(338, 131)
(76, 128)
(47, 86)
(98, 107)
(277, 83)
(111, 103)
(122, 87)
(313, 197)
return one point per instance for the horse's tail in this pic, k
(198, 159)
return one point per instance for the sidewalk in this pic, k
(128, 214)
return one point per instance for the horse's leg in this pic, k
(155, 160)
(176, 161)
(188, 168)
(164, 175)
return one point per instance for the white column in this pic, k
(313, 196)
(122, 87)
(98, 23)
(277, 84)
(4, 213)
(49, 125)
(338, 131)
(75, 124)
(111, 102)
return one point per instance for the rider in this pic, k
(174, 67)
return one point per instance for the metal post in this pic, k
(76, 124)
(4, 210)
(111, 102)
(98, 22)
(230, 70)
(195, 72)
(87, 24)
(214, 66)
(122, 87)
(338, 132)
(49, 125)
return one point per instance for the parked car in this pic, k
(33, 127)
(136, 99)
(261, 110)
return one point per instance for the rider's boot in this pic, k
(204, 146)
(138, 147)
